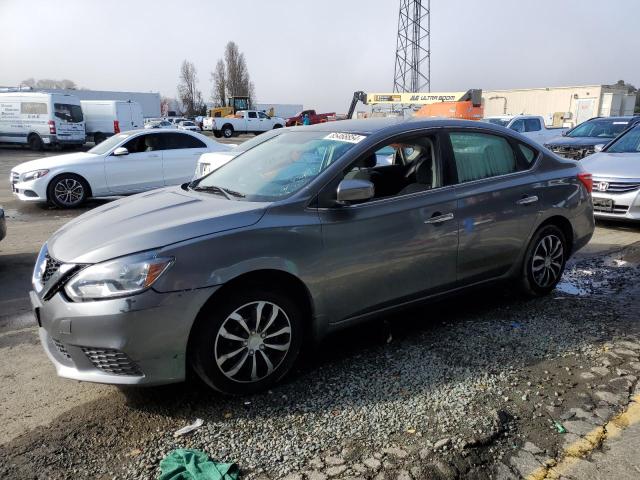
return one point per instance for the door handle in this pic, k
(154, 156)
(438, 218)
(528, 200)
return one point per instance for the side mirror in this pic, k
(354, 190)
(120, 151)
(598, 148)
(564, 133)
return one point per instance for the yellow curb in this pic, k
(592, 440)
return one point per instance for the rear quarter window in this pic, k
(33, 108)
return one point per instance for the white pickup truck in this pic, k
(244, 121)
(531, 126)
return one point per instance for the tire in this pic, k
(277, 125)
(544, 261)
(99, 138)
(68, 191)
(35, 142)
(235, 374)
(227, 131)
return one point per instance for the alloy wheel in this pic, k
(252, 341)
(68, 191)
(547, 261)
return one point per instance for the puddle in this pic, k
(596, 277)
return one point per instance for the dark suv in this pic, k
(582, 139)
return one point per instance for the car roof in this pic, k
(374, 125)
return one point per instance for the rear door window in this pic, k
(480, 155)
(175, 141)
(68, 113)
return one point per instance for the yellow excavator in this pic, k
(234, 104)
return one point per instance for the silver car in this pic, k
(616, 177)
(304, 234)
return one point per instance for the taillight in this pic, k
(52, 127)
(586, 180)
(116, 126)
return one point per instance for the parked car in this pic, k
(297, 237)
(314, 118)
(582, 140)
(188, 125)
(125, 163)
(208, 162)
(245, 121)
(41, 119)
(175, 120)
(531, 126)
(159, 124)
(616, 177)
(104, 118)
(3, 224)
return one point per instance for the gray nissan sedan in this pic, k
(306, 233)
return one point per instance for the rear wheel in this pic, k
(544, 261)
(99, 138)
(35, 142)
(68, 191)
(227, 131)
(247, 341)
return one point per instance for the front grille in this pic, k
(51, 267)
(15, 177)
(616, 187)
(111, 361)
(62, 349)
(574, 153)
(617, 209)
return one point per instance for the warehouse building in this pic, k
(150, 102)
(561, 106)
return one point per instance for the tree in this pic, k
(232, 74)
(188, 93)
(219, 79)
(64, 84)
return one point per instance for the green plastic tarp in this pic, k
(185, 464)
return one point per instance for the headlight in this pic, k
(117, 278)
(33, 175)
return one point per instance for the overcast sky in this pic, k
(317, 53)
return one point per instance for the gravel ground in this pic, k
(466, 388)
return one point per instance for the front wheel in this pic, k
(247, 342)
(68, 191)
(544, 261)
(277, 125)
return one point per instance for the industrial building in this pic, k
(150, 102)
(561, 106)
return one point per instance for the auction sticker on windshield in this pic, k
(345, 137)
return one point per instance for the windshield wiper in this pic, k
(215, 189)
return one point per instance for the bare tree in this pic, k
(188, 93)
(29, 82)
(237, 79)
(219, 79)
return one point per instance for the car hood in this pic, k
(147, 221)
(613, 165)
(576, 141)
(55, 161)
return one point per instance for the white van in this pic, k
(39, 119)
(104, 118)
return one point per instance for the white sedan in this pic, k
(126, 163)
(188, 125)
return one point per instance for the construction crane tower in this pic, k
(413, 47)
